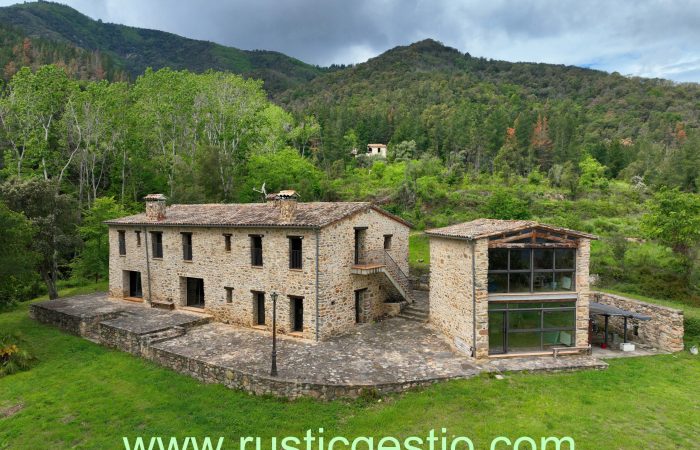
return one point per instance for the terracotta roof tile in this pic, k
(481, 228)
(307, 215)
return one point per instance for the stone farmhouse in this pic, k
(332, 264)
(510, 287)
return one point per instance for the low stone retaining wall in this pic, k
(664, 331)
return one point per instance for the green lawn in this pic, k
(85, 396)
(418, 251)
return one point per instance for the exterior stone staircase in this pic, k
(419, 310)
(382, 262)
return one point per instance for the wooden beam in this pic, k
(496, 244)
(551, 237)
(516, 237)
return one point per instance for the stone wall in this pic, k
(583, 258)
(664, 331)
(338, 284)
(221, 269)
(451, 291)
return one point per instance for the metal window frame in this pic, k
(532, 271)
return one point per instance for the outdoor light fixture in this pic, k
(273, 370)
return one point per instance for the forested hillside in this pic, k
(131, 50)
(468, 137)
(494, 116)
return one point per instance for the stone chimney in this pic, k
(155, 207)
(286, 201)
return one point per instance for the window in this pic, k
(528, 326)
(531, 270)
(256, 250)
(227, 242)
(138, 238)
(258, 308)
(387, 241)
(157, 243)
(295, 260)
(122, 243)
(229, 294)
(187, 246)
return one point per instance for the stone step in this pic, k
(164, 335)
(415, 315)
(162, 305)
(413, 318)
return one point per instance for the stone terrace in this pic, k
(388, 356)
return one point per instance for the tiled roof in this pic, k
(481, 228)
(306, 215)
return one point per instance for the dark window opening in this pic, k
(256, 251)
(157, 243)
(229, 294)
(187, 246)
(135, 289)
(259, 308)
(295, 255)
(359, 295)
(387, 241)
(138, 238)
(195, 292)
(227, 242)
(122, 243)
(297, 310)
(531, 270)
(531, 326)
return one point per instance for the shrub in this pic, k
(13, 358)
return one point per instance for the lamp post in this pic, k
(273, 370)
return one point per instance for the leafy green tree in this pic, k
(504, 205)
(592, 174)
(53, 215)
(92, 262)
(285, 169)
(18, 260)
(674, 220)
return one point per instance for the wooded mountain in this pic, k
(131, 50)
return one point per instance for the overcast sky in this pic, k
(651, 38)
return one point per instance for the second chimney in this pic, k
(155, 207)
(287, 202)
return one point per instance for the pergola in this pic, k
(608, 311)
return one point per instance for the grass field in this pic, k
(81, 395)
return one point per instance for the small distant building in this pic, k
(372, 151)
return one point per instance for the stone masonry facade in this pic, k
(230, 281)
(452, 292)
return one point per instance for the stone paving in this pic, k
(387, 356)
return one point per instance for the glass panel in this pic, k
(497, 306)
(498, 259)
(496, 321)
(498, 282)
(564, 281)
(560, 319)
(559, 304)
(544, 258)
(523, 342)
(524, 305)
(557, 339)
(565, 258)
(520, 259)
(524, 320)
(543, 282)
(519, 282)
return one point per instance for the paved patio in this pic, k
(388, 356)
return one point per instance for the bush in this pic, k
(13, 358)
(503, 205)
